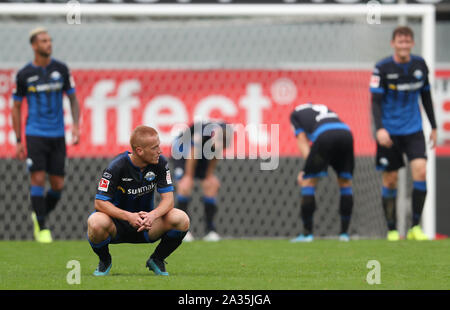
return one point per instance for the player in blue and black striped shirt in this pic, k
(43, 82)
(324, 140)
(396, 85)
(124, 203)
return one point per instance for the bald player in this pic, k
(124, 204)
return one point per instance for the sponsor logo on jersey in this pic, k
(392, 76)
(33, 78)
(410, 86)
(107, 175)
(141, 190)
(45, 87)
(127, 179)
(49, 86)
(103, 185)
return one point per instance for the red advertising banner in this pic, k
(113, 102)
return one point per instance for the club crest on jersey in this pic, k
(55, 75)
(150, 176)
(418, 74)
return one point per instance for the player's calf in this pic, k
(99, 237)
(175, 225)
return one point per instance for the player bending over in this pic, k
(332, 145)
(193, 162)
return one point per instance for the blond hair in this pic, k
(139, 136)
(34, 33)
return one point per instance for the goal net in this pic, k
(247, 64)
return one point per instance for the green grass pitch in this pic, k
(232, 265)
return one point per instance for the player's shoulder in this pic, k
(163, 162)
(386, 61)
(119, 161)
(25, 70)
(418, 60)
(59, 64)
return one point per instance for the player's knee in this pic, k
(177, 218)
(420, 172)
(211, 185)
(183, 189)
(98, 223)
(390, 179)
(38, 178)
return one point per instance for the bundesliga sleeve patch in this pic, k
(103, 185)
(168, 177)
(374, 81)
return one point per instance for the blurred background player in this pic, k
(191, 161)
(396, 84)
(332, 144)
(43, 82)
(124, 204)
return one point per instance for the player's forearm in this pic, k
(303, 144)
(16, 120)
(111, 210)
(428, 107)
(75, 109)
(377, 111)
(165, 205)
(304, 150)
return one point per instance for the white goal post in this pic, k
(425, 12)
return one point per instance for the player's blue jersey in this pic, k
(130, 188)
(43, 87)
(314, 119)
(401, 85)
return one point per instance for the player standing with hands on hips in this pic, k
(396, 84)
(43, 82)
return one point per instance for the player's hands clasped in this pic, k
(147, 220)
(135, 220)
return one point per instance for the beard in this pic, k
(44, 54)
